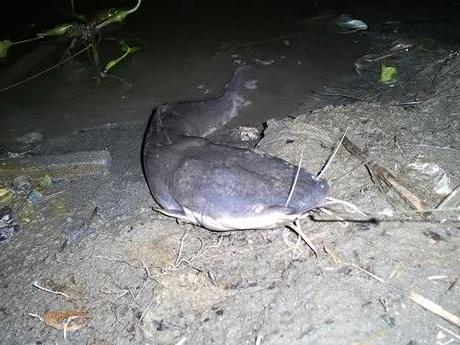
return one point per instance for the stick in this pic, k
(67, 166)
(434, 308)
(38, 286)
(449, 331)
(298, 230)
(447, 199)
(384, 175)
(413, 296)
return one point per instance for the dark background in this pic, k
(20, 17)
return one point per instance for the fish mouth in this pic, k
(267, 219)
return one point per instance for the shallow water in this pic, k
(189, 50)
(187, 53)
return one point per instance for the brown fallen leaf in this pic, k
(68, 320)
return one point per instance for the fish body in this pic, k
(220, 187)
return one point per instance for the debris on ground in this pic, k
(31, 138)
(388, 74)
(22, 183)
(132, 276)
(35, 197)
(348, 24)
(8, 226)
(66, 320)
(66, 166)
(79, 229)
(5, 195)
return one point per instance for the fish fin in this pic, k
(282, 209)
(180, 215)
(171, 213)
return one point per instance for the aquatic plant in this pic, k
(84, 33)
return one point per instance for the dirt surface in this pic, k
(142, 278)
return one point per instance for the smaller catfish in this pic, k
(221, 187)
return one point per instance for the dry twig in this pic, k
(197, 255)
(413, 296)
(38, 286)
(455, 335)
(434, 308)
(448, 198)
(385, 176)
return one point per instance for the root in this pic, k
(199, 253)
(297, 229)
(290, 245)
(349, 207)
(342, 221)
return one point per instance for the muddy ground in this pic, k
(142, 278)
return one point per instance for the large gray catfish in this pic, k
(220, 187)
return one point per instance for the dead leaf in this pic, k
(70, 320)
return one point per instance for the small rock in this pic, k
(442, 185)
(34, 197)
(248, 133)
(264, 62)
(8, 226)
(22, 184)
(389, 320)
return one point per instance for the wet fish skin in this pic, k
(220, 187)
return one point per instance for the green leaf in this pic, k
(45, 181)
(126, 51)
(118, 16)
(388, 74)
(104, 15)
(59, 30)
(4, 46)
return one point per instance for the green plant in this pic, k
(85, 33)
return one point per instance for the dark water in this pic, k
(189, 49)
